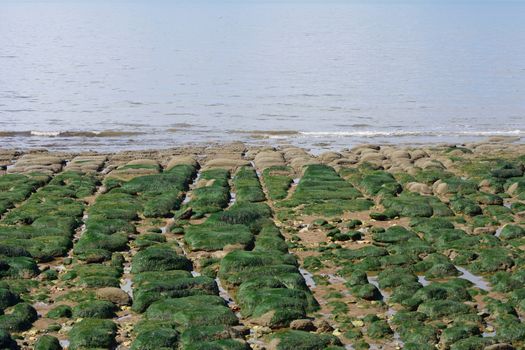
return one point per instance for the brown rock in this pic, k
(323, 326)
(501, 346)
(303, 325)
(418, 187)
(116, 295)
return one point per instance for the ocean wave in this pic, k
(38, 133)
(407, 133)
(266, 132)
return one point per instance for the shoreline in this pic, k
(112, 141)
(503, 144)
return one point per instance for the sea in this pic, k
(141, 74)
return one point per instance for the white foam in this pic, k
(379, 133)
(45, 133)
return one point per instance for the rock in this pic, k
(302, 325)
(328, 157)
(418, 154)
(500, 346)
(358, 323)
(512, 188)
(372, 157)
(323, 326)
(484, 230)
(115, 295)
(225, 163)
(179, 160)
(240, 331)
(440, 188)
(400, 154)
(418, 187)
(186, 214)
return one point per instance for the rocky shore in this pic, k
(238, 247)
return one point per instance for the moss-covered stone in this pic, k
(161, 338)
(6, 341)
(19, 319)
(291, 340)
(60, 311)
(47, 342)
(199, 310)
(94, 309)
(92, 334)
(151, 291)
(159, 258)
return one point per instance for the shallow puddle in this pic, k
(373, 280)
(123, 318)
(232, 199)
(333, 279)
(126, 286)
(223, 293)
(424, 282)
(477, 280)
(308, 277)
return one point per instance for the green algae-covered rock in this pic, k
(441, 270)
(278, 180)
(463, 205)
(159, 258)
(94, 309)
(19, 319)
(147, 293)
(212, 236)
(98, 275)
(472, 343)
(161, 338)
(92, 333)
(221, 344)
(380, 182)
(192, 311)
(379, 329)
(457, 332)
(394, 234)
(369, 251)
(292, 340)
(18, 267)
(394, 277)
(435, 309)
(512, 232)
(492, 260)
(47, 342)
(6, 342)
(417, 332)
(273, 307)
(367, 292)
(7, 298)
(509, 328)
(204, 334)
(60, 311)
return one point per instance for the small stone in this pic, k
(358, 323)
(239, 331)
(302, 325)
(323, 326)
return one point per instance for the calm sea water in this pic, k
(140, 74)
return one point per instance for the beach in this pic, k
(236, 246)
